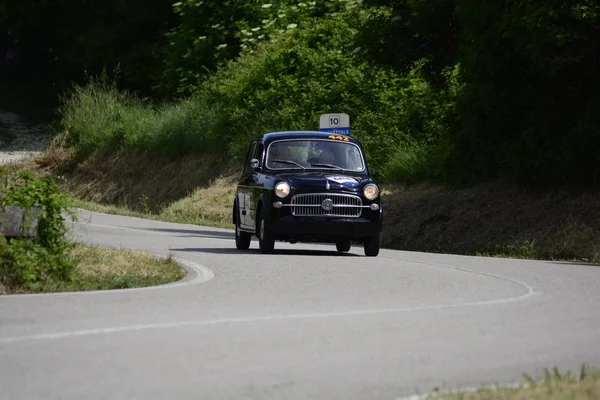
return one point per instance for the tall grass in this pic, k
(98, 116)
(283, 85)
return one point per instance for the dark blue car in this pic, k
(307, 187)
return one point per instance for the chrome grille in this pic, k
(310, 205)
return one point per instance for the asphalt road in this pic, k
(304, 323)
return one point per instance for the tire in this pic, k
(242, 239)
(266, 241)
(343, 246)
(372, 244)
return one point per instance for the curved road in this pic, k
(304, 323)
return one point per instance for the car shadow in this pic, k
(286, 252)
(193, 232)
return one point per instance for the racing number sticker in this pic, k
(344, 180)
(343, 138)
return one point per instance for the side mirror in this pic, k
(254, 164)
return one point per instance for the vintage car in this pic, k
(307, 186)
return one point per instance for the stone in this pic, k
(19, 222)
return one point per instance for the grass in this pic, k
(100, 268)
(554, 386)
(178, 213)
(491, 219)
(98, 116)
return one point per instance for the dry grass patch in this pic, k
(196, 189)
(490, 219)
(98, 261)
(211, 204)
(100, 268)
(494, 219)
(553, 387)
(138, 180)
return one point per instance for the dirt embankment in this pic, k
(493, 219)
(490, 219)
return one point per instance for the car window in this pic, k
(314, 154)
(250, 156)
(258, 152)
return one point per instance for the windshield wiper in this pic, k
(327, 166)
(288, 162)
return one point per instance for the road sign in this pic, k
(335, 123)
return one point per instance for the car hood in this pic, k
(323, 181)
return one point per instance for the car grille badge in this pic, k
(327, 204)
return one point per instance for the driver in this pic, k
(326, 157)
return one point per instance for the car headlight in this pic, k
(371, 191)
(282, 189)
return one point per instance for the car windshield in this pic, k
(314, 154)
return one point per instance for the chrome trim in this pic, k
(310, 205)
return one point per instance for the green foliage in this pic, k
(29, 263)
(211, 32)
(283, 84)
(522, 103)
(400, 32)
(287, 84)
(98, 116)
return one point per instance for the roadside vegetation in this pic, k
(51, 261)
(554, 386)
(98, 268)
(479, 120)
(29, 262)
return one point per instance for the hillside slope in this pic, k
(490, 219)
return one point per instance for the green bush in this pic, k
(28, 263)
(218, 31)
(286, 84)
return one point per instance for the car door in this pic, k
(243, 192)
(254, 186)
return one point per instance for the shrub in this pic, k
(28, 263)
(283, 84)
(287, 84)
(218, 31)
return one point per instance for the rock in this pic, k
(19, 222)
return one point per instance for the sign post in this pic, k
(335, 123)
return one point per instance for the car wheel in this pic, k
(266, 241)
(372, 245)
(242, 239)
(343, 246)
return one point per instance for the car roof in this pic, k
(273, 136)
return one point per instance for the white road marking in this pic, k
(205, 274)
(267, 318)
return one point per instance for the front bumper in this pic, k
(323, 228)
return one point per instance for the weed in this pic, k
(553, 385)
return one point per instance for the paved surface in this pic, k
(23, 141)
(304, 323)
